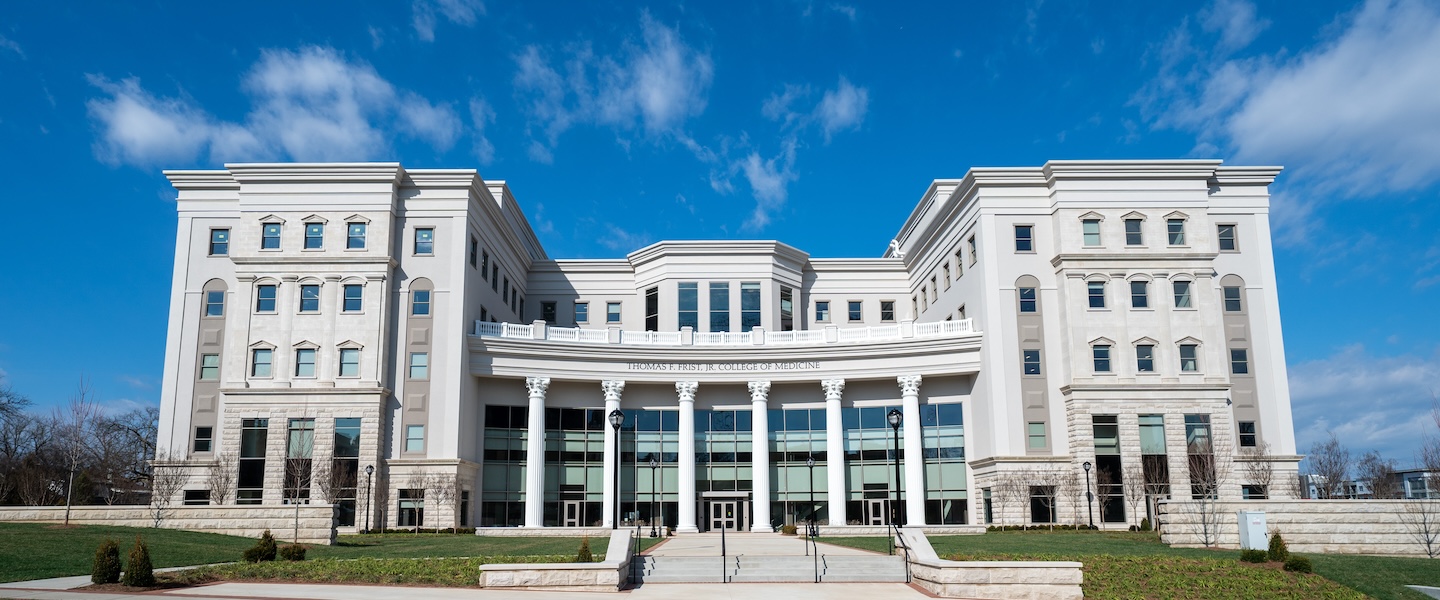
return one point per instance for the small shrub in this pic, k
(787, 529)
(584, 555)
(138, 570)
(1145, 524)
(1253, 556)
(107, 563)
(1298, 564)
(263, 550)
(292, 552)
(1279, 552)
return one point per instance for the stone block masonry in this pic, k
(317, 521)
(1319, 526)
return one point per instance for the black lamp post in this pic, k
(1089, 497)
(654, 464)
(369, 490)
(617, 419)
(810, 462)
(895, 417)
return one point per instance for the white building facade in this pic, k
(327, 319)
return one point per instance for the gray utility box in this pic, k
(1253, 534)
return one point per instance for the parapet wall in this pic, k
(1321, 526)
(317, 521)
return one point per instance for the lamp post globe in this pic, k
(895, 418)
(617, 419)
(1089, 497)
(654, 464)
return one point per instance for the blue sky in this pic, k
(815, 123)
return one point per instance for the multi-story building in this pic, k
(1028, 334)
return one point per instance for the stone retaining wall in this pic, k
(990, 580)
(1321, 526)
(610, 575)
(317, 521)
(594, 532)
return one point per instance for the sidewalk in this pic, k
(298, 591)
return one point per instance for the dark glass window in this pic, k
(219, 242)
(719, 306)
(855, 312)
(314, 236)
(1239, 361)
(749, 305)
(688, 299)
(1132, 232)
(265, 298)
(1139, 294)
(1102, 358)
(1145, 358)
(887, 310)
(355, 236)
(420, 302)
(425, 241)
(1027, 300)
(204, 437)
(1024, 238)
(787, 309)
(215, 304)
(652, 309)
(547, 312)
(1096, 291)
(1247, 434)
(354, 297)
(1031, 360)
(309, 298)
(1232, 299)
(1226, 235)
(270, 236)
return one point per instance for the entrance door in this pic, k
(875, 513)
(570, 513)
(724, 513)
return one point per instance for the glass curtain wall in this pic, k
(943, 435)
(502, 499)
(795, 435)
(1109, 482)
(647, 495)
(345, 468)
(869, 458)
(299, 448)
(574, 466)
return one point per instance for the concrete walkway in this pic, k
(745, 544)
(689, 591)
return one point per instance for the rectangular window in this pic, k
(484, 264)
(822, 311)
(959, 263)
(689, 305)
(305, 362)
(945, 268)
(209, 367)
(887, 310)
(934, 289)
(1226, 236)
(424, 240)
(1247, 434)
(299, 450)
(1197, 434)
(1035, 432)
(855, 311)
(474, 252)
(652, 309)
(914, 306)
(1091, 229)
(354, 297)
(1152, 435)
(495, 277)
(314, 236)
(1239, 361)
(612, 312)
(196, 498)
(974, 256)
(270, 236)
(419, 365)
(414, 438)
(309, 298)
(961, 312)
(719, 306)
(547, 312)
(1232, 299)
(1133, 236)
(260, 360)
(355, 236)
(787, 309)
(1096, 290)
(582, 312)
(1101, 355)
(1024, 238)
(1145, 358)
(265, 298)
(1027, 300)
(1182, 294)
(420, 302)
(215, 304)
(749, 305)
(349, 362)
(1031, 361)
(1176, 229)
(1189, 359)
(219, 242)
(250, 479)
(205, 436)
(1139, 294)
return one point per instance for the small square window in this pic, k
(1182, 294)
(822, 311)
(582, 312)
(204, 439)
(612, 312)
(265, 298)
(1176, 230)
(314, 236)
(419, 365)
(1024, 238)
(1133, 236)
(215, 304)
(260, 361)
(1101, 353)
(1096, 292)
(1091, 229)
(1031, 361)
(1239, 361)
(219, 242)
(420, 302)
(887, 310)
(1189, 358)
(1247, 434)
(855, 312)
(1139, 294)
(1232, 299)
(349, 362)
(270, 236)
(354, 297)
(547, 312)
(425, 240)
(309, 298)
(414, 438)
(355, 236)
(1145, 358)
(209, 367)
(305, 362)
(1225, 234)
(1027, 300)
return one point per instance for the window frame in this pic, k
(1085, 234)
(210, 311)
(422, 366)
(1147, 355)
(582, 312)
(1241, 434)
(1234, 237)
(208, 438)
(359, 299)
(305, 357)
(1239, 299)
(412, 440)
(1139, 233)
(255, 363)
(1143, 296)
(974, 254)
(416, 302)
(427, 244)
(1025, 244)
(215, 368)
(271, 242)
(1188, 295)
(1172, 236)
(222, 244)
(1243, 363)
(474, 255)
(1091, 287)
(822, 311)
(883, 310)
(351, 238)
(1026, 362)
(551, 309)
(1194, 358)
(1098, 361)
(614, 312)
(314, 242)
(855, 311)
(342, 363)
(274, 298)
(1034, 299)
(304, 301)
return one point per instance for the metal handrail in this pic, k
(635, 558)
(723, 559)
(900, 539)
(812, 531)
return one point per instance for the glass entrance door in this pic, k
(724, 513)
(875, 512)
(570, 513)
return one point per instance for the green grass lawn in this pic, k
(1137, 565)
(40, 550)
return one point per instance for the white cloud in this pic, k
(842, 108)
(377, 38)
(620, 240)
(481, 116)
(768, 179)
(459, 12)
(844, 9)
(778, 106)
(11, 45)
(309, 104)
(1370, 402)
(1235, 20)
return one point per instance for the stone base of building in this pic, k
(610, 575)
(1319, 526)
(999, 580)
(316, 521)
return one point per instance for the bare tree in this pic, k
(1421, 515)
(220, 478)
(167, 479)
(299, 476)
(1073, 489)
(21, 436)
(417, 480)
(1257, 467)
(444, 489)
(12, 403)
(1379, 474)
(75, 429)
(1133, 477)
(1048, 489)
(1008, 490)
(1330, 464)
(335, 483)
(1209, 475)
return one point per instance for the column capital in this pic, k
(759, 390)
(612, 388)
(909, 384)
(833, 388)
(537, 385)
(686, 389)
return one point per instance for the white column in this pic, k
(835, 450)
(612, 403)
(535, 453)
(760, 457)
(685, 519)
(914, 451)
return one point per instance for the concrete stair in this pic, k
(771, 569)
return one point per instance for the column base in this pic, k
(690, 529)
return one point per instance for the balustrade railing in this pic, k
(759, 337)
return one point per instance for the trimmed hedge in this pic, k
(139, 572)
(107, 563)
(1253, 556)
(1299, 564)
